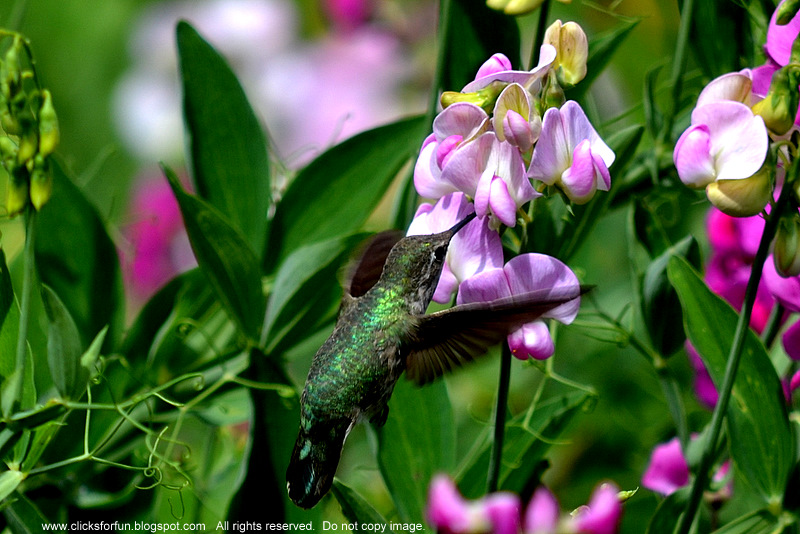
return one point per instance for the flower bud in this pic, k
(553, 94)
(17, 194)
(779, 107)
(28, 145)
(744, 197)
(41, 182)
(48, 125)
(484, 98)
(786, 252)
(10, 72)
(8, 153)
(9, 123)
(514, 7)
(572, 48)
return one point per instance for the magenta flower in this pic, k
(725, 142)
(453, 128)
(525, 274)
(667, 471)
(603, 513)
(704, 387)
(472, 250)
(571, 155)
(780, 38)
(498, 68)
(542, 514)
(493, 174)
(449, 512)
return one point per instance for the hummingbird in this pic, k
(381, 331)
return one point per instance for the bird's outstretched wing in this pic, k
(365, 270)
(447, 339)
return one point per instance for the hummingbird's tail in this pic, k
(314, 461)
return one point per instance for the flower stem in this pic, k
(678, 66)
(496, 456)
(701, 479)
(25, 308)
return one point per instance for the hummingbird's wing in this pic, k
(447, 339)
(366, 269)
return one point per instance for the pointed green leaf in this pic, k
(63, 348)
(354, 507)
(77, 259)
(9, 480)
(757, 522)
(336, 192)
(9, 320)
(417, 441)
(225, 258)
(24, 517)
(227, 147)
(760, 438)
(92, 354)
(299, 280)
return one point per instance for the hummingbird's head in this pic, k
(415, 263)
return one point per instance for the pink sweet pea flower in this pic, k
(493, 173)
(667, 471)
(473, 249)
(542, 514)
(603, 513)
(450, 513)
(780, 38)
(725, 142)
(527, 273)
(515, 119)
(498, 68)
(453, 129)
(571, 155)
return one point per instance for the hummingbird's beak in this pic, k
(460, 224)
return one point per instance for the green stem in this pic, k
(701, 479)
(28, 276)
(541, 28)
(496, 455)
(441, 59)
(678, 67)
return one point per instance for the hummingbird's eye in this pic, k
(439, 253)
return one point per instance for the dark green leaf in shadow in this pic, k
(9, 320)
(225, 258)
(299, 280)
(76, 258)
(475, 33)
(354, 507)
(760, 438)
(24, 517)
(525, 445)
(63, 348)
(757, 522)
(668, 512)
(227, 147)
(417, 441)
(336, 192)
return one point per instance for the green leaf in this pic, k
(475, 33)
(24, 517)
(354, 507)
(42, 437)
(665, 519)
(9, 480)
(227, 147)
(77, 259)
(92, 354)
(299, 280)
(9, 320)
(63, 348)
(760, 438)
(525, 446)
(225, 258)
(601, 50)
(757, 522)
(336, 192)
(417, 441)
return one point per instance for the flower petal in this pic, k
(551, 156)
(541, 516)
(503, 206)
(527, 79)
(733, 86)
(781, 37)
(791, 341)
(485, 286)
(532, 340)
(428, 175)
(579, 182)
(692, 157)
(462, 118)
(667, 470)
(531, 272)
(603, 513)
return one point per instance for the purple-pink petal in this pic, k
(692, 157)
(780, 38)
(497, 63)
(547, 54)
(428, 174)
(485, 286)
(667, 470)
(501, 203)
(552, 153)
(462, 118)
(579, 181)
(517, 131)
(603, 513)
(447, 510)
(528, 273)
(503, 511)
(532, 340)
(791, 341)
(733, 86)
(541, 516)
(785, 290)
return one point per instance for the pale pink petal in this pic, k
(532, 340)
(462, 118)
(503, 206)
(517, 131)
(738, 139)
(667, 470)
(527, 79)
(693, 159)
(428, 175)
(466, 166)
(733, 86)
(541, 517)
(473, 249)
(445, 148)
(529, 273)
(551, 156)
(579, 182)
(579, 128)
(485, 286)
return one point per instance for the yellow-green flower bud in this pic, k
(572, 51)
(17, 194)
(9, 71)
(41, 182)
(786, 12)
(742, 198)
(786, 252)
(8, 122)
(48, 125)
(484, 98)
(28, 145)
(8, 153)
(779, 107)
(514, 7)
(553, 94)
